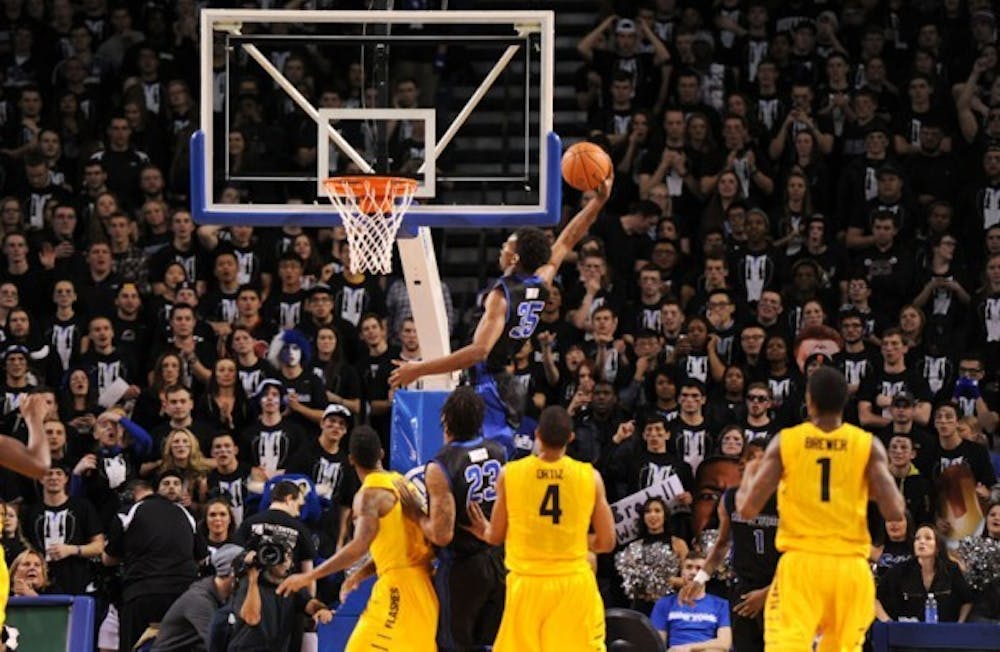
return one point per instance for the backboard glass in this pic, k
(461, 101)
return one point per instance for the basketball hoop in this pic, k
(372, 209)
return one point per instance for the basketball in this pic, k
(585, 166)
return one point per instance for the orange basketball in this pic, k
(585, 166)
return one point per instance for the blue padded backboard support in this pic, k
(415, 430)
(549, 215)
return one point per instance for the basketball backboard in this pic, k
(459, 100)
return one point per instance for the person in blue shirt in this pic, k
(702, 626)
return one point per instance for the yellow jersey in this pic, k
(549, 509)
(823, 493)
(400, 542)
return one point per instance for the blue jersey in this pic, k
(526, 296)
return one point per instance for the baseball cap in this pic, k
(625, 26)
(984, 15)
(269, 382)
(903, 398)
(336, 410)
(16, 348)
(890, 168)
(223, 558)
(320, 288)
(877, 127)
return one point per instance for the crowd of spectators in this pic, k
(785, 172)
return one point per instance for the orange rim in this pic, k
(382, 187)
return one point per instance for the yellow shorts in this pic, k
(401, 615)
(812, 593)
(4, 589)
(559, 612)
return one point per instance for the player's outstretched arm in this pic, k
(716, 555)
(487, 333)
(575, 230)
(369, 505)
(603, 522)
(760, 480)
(881, 485)
(34, 459)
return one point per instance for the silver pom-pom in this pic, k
(705, 541)
(981, 557)
(646, 569)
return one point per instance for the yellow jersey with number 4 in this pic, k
(823, 493)
(549, 509)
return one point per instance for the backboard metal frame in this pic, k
(546, 212)
(425, 185)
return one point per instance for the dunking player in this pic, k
(753, 562)
(32, 460)
(403, 610)
(824, 471)
(511, 313)
(546, 503)
(470, 576)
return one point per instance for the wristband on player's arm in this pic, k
(702, 577)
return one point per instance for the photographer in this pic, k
(281, 519)
(185, 627)
(266, 621)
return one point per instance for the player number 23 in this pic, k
(482, 479)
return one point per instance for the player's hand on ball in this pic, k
(604, 190)
(413, 506)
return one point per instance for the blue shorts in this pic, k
(496, 424)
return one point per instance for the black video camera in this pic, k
(271, 549)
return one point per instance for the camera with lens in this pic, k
(271, 550)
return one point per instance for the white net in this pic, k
(371, 209)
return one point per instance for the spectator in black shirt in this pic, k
(324, 461)
(281, 520)
(901, 411)
(155, 541)
(904, 589)
(68, 530)
(888, 264)
(890, 379)
(914, 486)
(230, 477)
(270, 440)
(628, 237)
(951, 450)
(375, 366)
